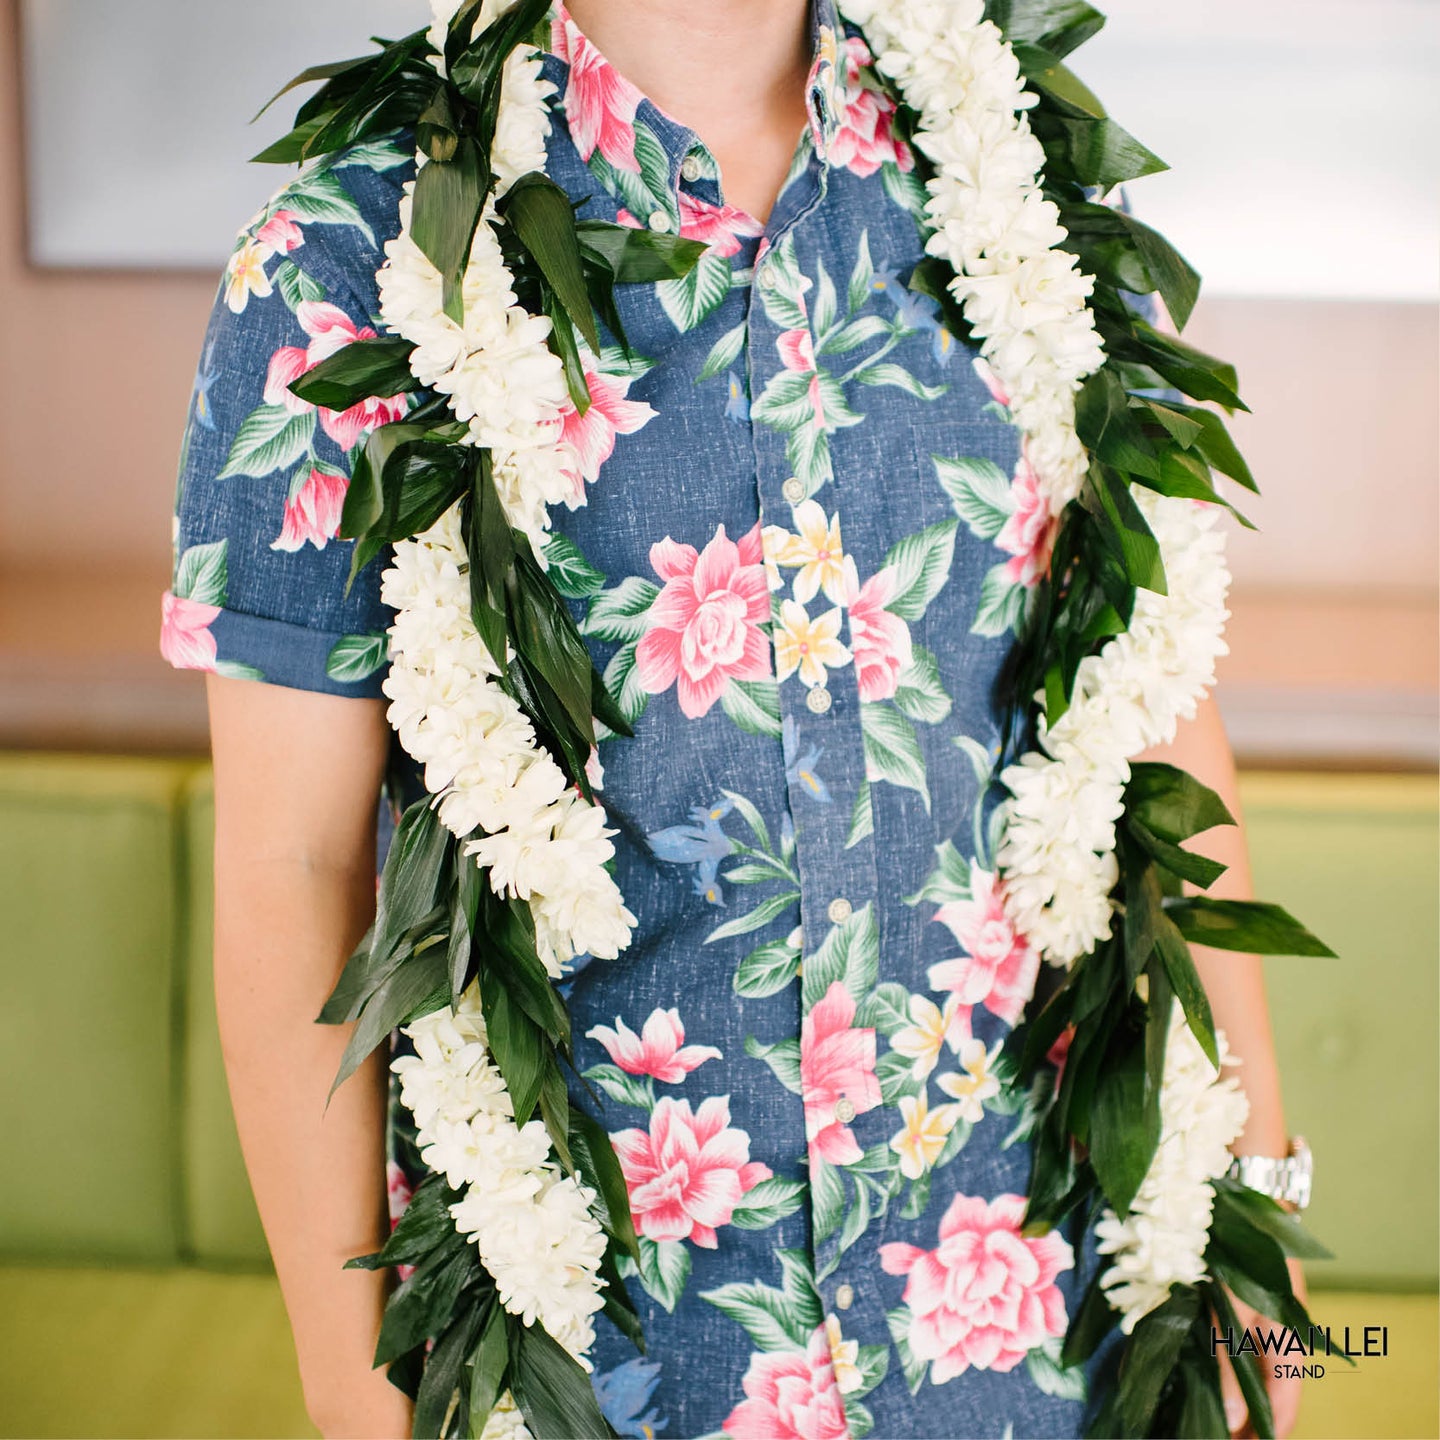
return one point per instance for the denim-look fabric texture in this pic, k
(800, 569)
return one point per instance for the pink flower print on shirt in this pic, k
(330, 329)
(986, 1295)
(592, 435)
(704, 626)
(687, 1175)
(797, 354)
(280, 233)
(721, 227)
(836, 1061)
(865, 139)
(658, 1050)
(991, 381)
(1029, 534)
(185, 638)
(312, 512)
(790, 1395)
(600, 103)
(999, 967)
(879, 641)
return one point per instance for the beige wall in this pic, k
(96, 369)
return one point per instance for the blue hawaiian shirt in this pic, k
(808, 540)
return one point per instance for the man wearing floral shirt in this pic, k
(800, 573)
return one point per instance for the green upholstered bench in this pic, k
(135, 1297)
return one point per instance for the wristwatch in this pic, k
(1288, 1179)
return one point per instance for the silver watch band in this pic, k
(1288, 1179)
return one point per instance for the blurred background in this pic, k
(135, 1295)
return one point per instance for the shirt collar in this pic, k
(605, 87)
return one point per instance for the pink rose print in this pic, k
(999, 969)
(835, 1061)
(705, 623)
(280, 234)
(185, 638)
(1029, 534)
(592, 435)
(313, 512)
(659, 1049)
(864, 140)
(987, 1294)
(790, 1396)
(688, 1174)
(879, 641)
(600, 103)
(330, 329)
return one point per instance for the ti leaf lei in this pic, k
(442, 934)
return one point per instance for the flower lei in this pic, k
(491, 293)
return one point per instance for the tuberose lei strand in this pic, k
(1025, 299)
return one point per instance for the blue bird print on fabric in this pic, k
(624, 1392)
(916, 311)
(702, 844)
(800, 769)
(737, 404)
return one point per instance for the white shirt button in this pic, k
(793, 490)
(768, 278)
(839, 911)
(818, 700)
(844, 1110)
(659, 222)
(844, 1296)
(690, 168)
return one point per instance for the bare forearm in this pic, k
(297, 778)
(317, 1173)
(1234, 981)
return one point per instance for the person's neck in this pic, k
(733, 71)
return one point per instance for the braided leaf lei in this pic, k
(491, 294)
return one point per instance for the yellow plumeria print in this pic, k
(930, 1027)
(810, 646)
(919, 1144)
(975, 1081)
(815, 549)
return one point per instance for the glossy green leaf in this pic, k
(540, 212)
(445, 1373)
(638, 256)
(448, 200)
(1239, 1204)
(1059, 25)
(1150, 1355)
(379, 366)
(416, 987)
(1124, 529)
(519, 1047)
(599, 1166)
(420, 1309)
(1108, 427)
(1246, 1367)
(425, 1226)
(1185, 981)
(1252, 925)
(488, 1363)
(1123, 1130)
(553, 1392)
(1089, 1325)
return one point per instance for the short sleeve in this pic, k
(257, 587)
